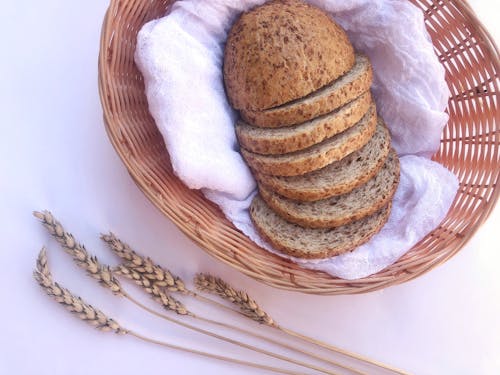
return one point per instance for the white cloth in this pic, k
(180, 57)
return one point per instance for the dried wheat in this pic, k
(99, 320)
(145, 266)
(247, 305)
(71, 302)
(167, 301)
(102, 273)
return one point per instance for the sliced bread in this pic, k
(337, 178)
(281, 51)
(319, 155)
(269, 141)
(312, 243)
(327, 99)
(341, 209)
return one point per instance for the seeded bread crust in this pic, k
(341, 209)
(337, 93)
(282, 51)
(337, 178)
(319, 155)
(311, 243)
(275, 141)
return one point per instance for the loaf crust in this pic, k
(282, 51)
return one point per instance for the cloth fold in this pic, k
(180, 57)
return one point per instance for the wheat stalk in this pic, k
(83, 259)
(147, 274)
(106, 278)
(251, 309)
(86, 312)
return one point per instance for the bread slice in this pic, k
(327, 99)
(341, 209)
(337, 178)
(281, 51)
(319, 155)
(269, 141)
(311, 243)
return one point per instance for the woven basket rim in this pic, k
(287, 279)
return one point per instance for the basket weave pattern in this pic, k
(469, 147)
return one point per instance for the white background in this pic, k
(54, 154)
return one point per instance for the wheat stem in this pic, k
(251, 309)
(235, 328)
(215, 356)
(227, 339)
(99, 320)
(343, 351)
(286, 346)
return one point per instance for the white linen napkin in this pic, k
(180, 57)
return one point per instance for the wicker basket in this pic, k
(469, 147)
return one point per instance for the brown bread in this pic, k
(269, 141)
(311, 243)
(337, 93)
(341, 209)
(319, 155)
(282, 51)
(337, 178)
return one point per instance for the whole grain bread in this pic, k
(269, 141)
(327, 99)
(337, 178)
(341, 209)
(313, 243)
(282, 51)
(319, 155)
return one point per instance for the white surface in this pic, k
(54, 154)
(409, 88)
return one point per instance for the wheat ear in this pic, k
(106, 278)
(86, 312)
(145, 266)
(150, 287)
(247, 305)
(147, 274)
(72, 303)
(83, 259)
(251, 309)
